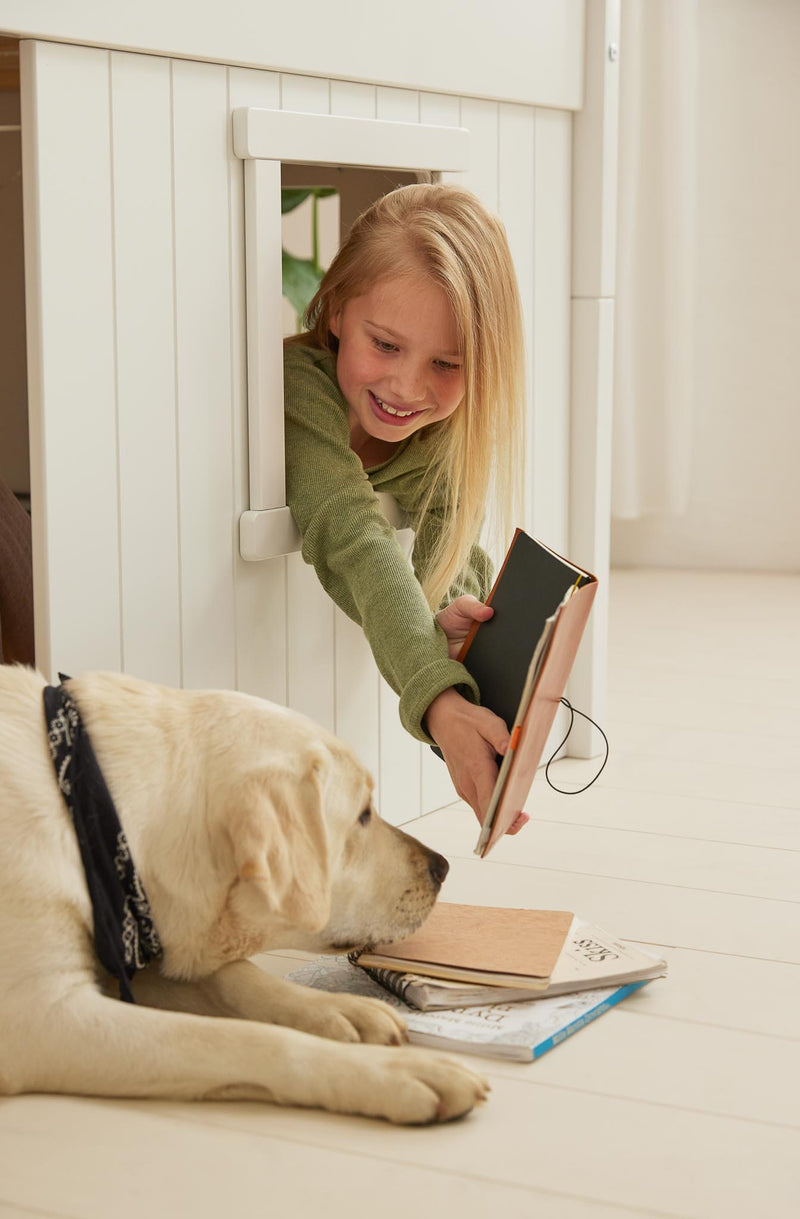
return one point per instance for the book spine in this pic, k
(587, 1018)
(390, 980)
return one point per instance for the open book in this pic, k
(521, 1031)
(521, 659)
(590, 959)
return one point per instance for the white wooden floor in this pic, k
(683, 1102)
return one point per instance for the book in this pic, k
(491, 945)
(521, 659)
(516, 1031)
(590, 959)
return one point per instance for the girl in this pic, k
(409, 380)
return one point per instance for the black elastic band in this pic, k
(573, 711)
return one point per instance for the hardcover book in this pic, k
(590, 959)
(489, 945)
(521, 659)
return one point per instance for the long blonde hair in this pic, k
(445, 232)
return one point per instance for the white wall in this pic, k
(745, 493)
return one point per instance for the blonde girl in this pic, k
(409, 380)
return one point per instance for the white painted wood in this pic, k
(310, 612)
(436, 786)
(551, 339)
(144, 305)
(335, 140)
(260, 588)
(305, 94)
(356, 679)
(594, 225)
(517, 199)
(265, 138)
(201, 134)
(72, 372)
(594, 158)
(481, 120)
(441, 109)
(590, 506)
(262, 198)
(357, 695)
(268, 534)
(353, 100)
(530, 52)
(400, 755)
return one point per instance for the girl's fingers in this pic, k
(519, 821)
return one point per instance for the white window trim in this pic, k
(264, 139)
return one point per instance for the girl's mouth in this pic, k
(390, 414)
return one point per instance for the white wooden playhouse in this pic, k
(153, 140)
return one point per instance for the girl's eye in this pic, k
(384, 346)
(446, 367)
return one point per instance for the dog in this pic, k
(252, 829)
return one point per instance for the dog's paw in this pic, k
(352, 1018)
(419, 1087)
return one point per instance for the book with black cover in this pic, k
(521, 659)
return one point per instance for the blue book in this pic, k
(520, 1031)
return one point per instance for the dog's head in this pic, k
(316, 867)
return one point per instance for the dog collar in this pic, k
(125, 936)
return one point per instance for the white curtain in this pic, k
(654, 382)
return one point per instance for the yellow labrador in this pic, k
(251, 829)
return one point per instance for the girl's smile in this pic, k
(398, 363)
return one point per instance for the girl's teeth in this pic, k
(390, 410)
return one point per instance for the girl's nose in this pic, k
(411, 386)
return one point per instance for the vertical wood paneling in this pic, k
(356, 679)
(305, 94)
(260, 587)
(400, 754)
(72, 403)
(145, 350)
(516, 199)
(441, 109)
(169, 568)
(436, 787)
(352, 100)
(481, 119)
(551, 343)
(310, 630)
(201, 139)
(590, 486)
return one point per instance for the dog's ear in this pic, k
(280, 841)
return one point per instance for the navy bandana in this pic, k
(124, 933)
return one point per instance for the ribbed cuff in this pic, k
(424, 687)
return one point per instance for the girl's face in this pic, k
(398, 363)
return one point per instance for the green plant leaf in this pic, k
(292, 197)
(301, 278)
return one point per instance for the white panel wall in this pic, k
(135, 223)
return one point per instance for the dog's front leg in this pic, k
(242, 990)
(90, 1044)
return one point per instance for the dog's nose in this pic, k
(438, 867)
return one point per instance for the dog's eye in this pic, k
(365, 816)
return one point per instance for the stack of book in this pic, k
(488, 980)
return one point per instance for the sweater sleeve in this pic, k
(353, 548)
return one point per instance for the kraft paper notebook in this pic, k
(491, 945)
(521, 659)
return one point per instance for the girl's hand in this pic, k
(470, 738)
(457, 618)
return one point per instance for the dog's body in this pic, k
(251, 829)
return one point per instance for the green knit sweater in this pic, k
(353, 548)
